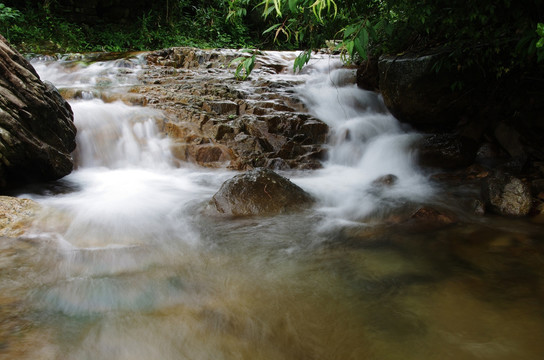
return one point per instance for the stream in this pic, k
(127, 261)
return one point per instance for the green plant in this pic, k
(7, 16)
(540, 43)
(245, 64)
(301, 60)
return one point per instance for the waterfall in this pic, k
(127, 190)
(124, 260)
(371, 165)
(116, 135)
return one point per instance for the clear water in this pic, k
(127, 262)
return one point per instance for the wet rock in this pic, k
(385, 181)
(259, 192)
(415, 93)
(255, 125)
(489, 154)
(16, 215)
(506, 195)
(368, 75)
(428, 215)
(509, 139)
(37, 133)
(277, 164)
(221, 107)
(478, 207)
(203, 154)
(210, 155)
(315, 130)
(446, 151)
(537, 186)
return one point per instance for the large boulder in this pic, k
(417, 94)
(259, 192)
(37, 133)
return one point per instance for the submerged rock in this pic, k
(507, 195)
(37, 133)
(259, 192)
(432, 216)
(385, 181)
(15, 215)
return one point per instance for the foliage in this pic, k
(540, 43)
(245, 64)
(492, 36)
(44, 27)
(7, 15)
(301, 60)
(495, 37)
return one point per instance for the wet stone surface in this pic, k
(256, 123)
(259, 192)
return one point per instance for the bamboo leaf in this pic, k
(271, 28)
(278, 7)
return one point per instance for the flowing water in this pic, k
(126, 261)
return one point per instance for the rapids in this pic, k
(126, 262)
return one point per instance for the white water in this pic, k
(128, 184)
(366, 143)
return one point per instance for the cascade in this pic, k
(124, 261)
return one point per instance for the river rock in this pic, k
(37, 133)
(259, 192)
(432, 216)
(417, 94)
(506, 195)
(16, 215)
(259, 122)
(446, 151)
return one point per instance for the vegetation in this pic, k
(496, 37)
(46, 27)
(244, 64)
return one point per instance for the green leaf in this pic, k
(540, 43)
(359, 47)
(237, 60)
(540, 29)
(275, 26)
(350, 30)
(267, 10)
(364, 37)
(293, 6)
(278, 7)
(349, 47)
(301, 60)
